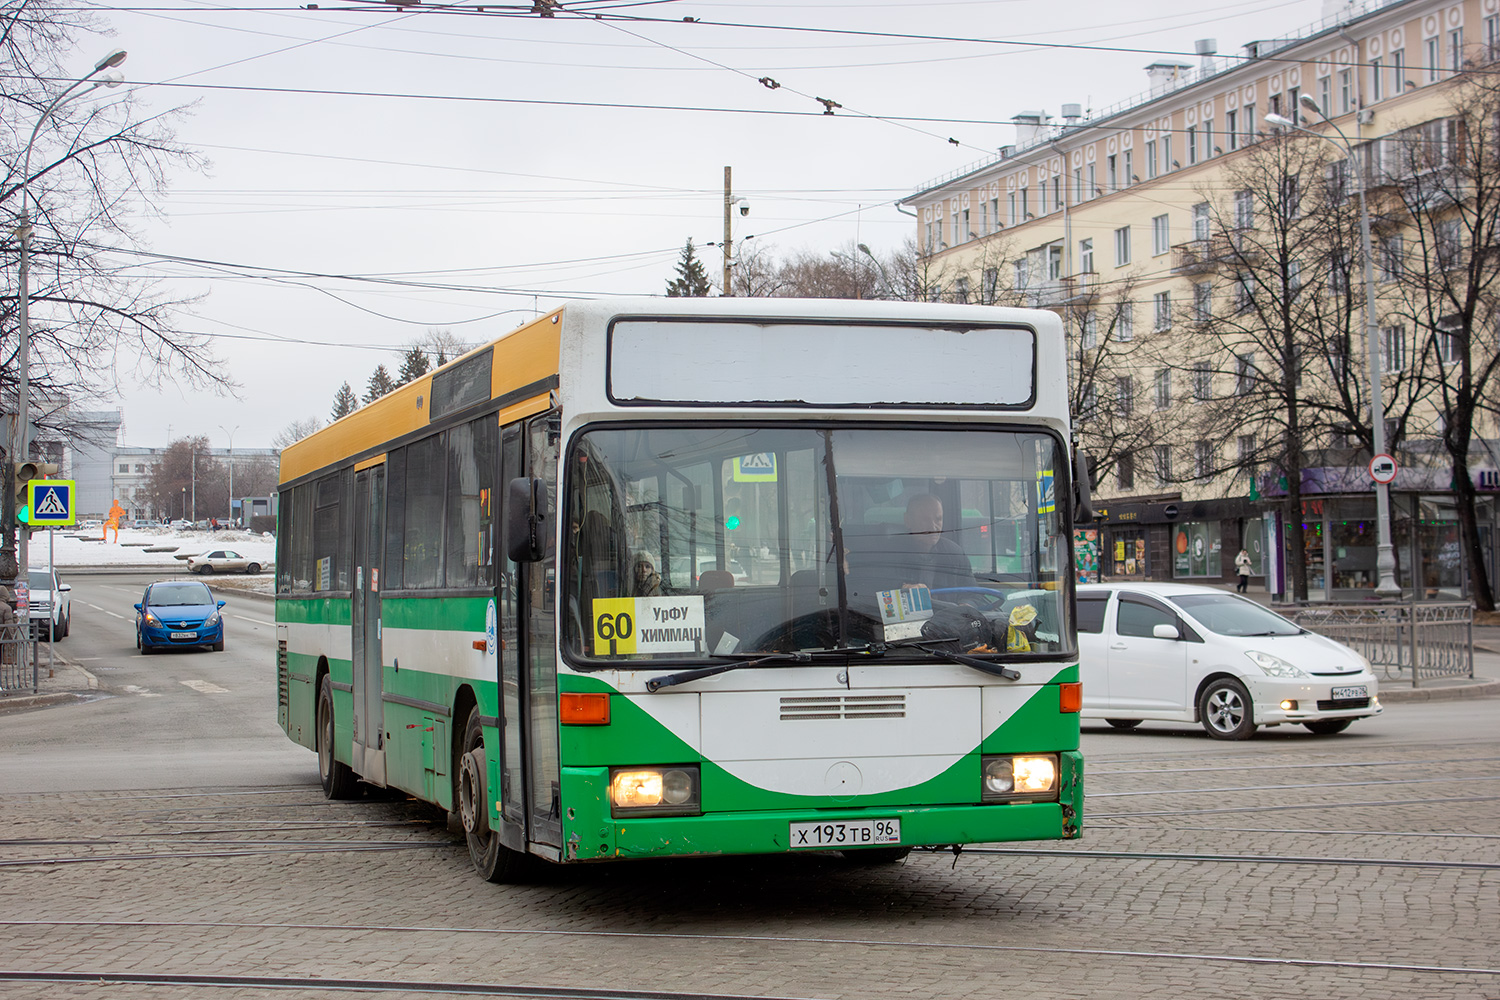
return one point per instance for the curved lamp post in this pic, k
(23, 230)
(1385, 558)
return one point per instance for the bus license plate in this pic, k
(1342, 694)
(845, 833)
(184, 635)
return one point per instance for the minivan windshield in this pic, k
(1227, 614)
(181, 594)
(737, 541)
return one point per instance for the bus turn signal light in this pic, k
(584, 709)
(1070, 697)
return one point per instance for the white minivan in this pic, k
(1176, 652)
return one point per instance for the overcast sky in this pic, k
(400, 147)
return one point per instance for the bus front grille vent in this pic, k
(848, 706)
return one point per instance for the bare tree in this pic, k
(1437, 186)
(295, 431)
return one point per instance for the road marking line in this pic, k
(111, 613)
(94, 606)
(205, 687)
(255, 620)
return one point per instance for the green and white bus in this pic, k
(664, 577)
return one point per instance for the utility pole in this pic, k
(728, 234)
(195, 481)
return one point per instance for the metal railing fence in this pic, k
(1410, 642)
(18, 659)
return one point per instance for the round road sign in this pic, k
(1383, 469)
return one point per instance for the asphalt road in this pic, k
(179, 718)
(166, 840)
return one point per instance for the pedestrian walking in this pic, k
(1242, 567)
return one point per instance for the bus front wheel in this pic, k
(493, 860)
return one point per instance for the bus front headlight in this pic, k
(1029, 778)
(654, 790)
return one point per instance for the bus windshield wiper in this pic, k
(921, 645)
(655, 684)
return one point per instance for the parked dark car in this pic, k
(178, 613)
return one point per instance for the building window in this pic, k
(1203, 301)
(1077, 185)
(1433, 60)
(991, 285)
(1162, 455)
(1338, 273)
(1244, 292)
(1377, 79)
(1086, 256)
(1337, 174)
(968, 231)
(1151, 159)
(1346, 91)
(1192, 144)
(1456, 50)
(1492, 36)
(1090, 336)
(1166, 154)
(1244, 210)
(1247, 123)
(1130, 177)
(1293, 277)
(1208, 139)
(1232, 128)
(1449, 242)
(123, 467)
(1041, 196)
(1162, 306)
(1125, 322)
(1202, 382)
(1325, 95)
(995, 213)
(1247, 451)
(1088, 405)
(1449, 346)
(1164, 388)
(1293, 105)
(1125, 471)
(1244, 374)
(1054, 262)
(1093, 184)
(1011, 201)
(1122, 246)
(1398, 72)
(1025, 205)
(1388, 258)
(1124, 396)
(140, 470)
(1161, 235)
(961, 290)
(1203, 459)
(1392, 349)
(1057, 193)
(1112, 173)
(1200, 221)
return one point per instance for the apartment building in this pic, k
(1110, 216)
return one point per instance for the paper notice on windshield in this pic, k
(624, 625)
(904, 604)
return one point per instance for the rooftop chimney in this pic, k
(1206, 48)
(1030, 126)
(1071, 113)
(1165, 75)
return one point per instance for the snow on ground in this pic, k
(83, 548)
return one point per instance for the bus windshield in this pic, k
(734, 541)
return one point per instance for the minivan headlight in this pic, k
(1274, 666)
(658, 791)
(1022, 778)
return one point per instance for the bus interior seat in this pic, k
(711, 580)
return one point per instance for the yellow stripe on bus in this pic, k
(523, 356)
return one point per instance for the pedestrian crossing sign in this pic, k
(52, 503)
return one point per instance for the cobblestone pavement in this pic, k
(1373, 872)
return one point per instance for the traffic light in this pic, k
(25, 473)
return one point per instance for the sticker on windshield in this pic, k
(904, 605)
(647, 625)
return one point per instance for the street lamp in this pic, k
(23, 230)
(230, 432)
(1385, 555)
(884, 278)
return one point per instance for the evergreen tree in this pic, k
(692, 280)
(345, 402)
(413, 366)
(380, 383)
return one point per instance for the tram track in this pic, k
(391, 985)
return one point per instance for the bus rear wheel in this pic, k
(492, 860)
(337, 777)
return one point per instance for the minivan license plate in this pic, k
(1343, 694)
(845, 833)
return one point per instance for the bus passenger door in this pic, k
(369, 711)
(512, 798)
(543, 764)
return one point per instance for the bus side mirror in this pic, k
(1083, 494)
(525, 507)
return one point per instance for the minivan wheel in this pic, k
(1224, 710)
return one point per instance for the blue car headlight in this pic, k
(211, 620)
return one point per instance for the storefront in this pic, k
(1188, 541)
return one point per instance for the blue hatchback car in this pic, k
(178, 613)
